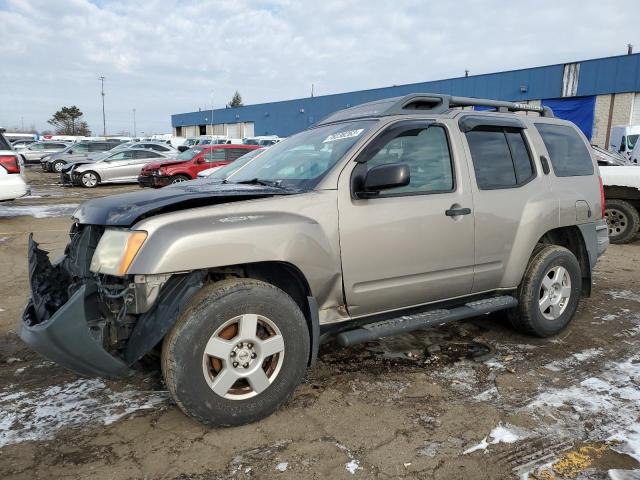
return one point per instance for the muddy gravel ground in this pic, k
(470, 400)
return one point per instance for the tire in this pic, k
(623, 220)
(179, 178)
(90, 179)
(57, 166)
(209, 322)
(539, 313)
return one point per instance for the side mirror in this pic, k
(623, 147)
(384, 177)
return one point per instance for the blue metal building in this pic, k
(577, 91)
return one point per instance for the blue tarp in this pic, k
(579, 110)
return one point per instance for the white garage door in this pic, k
(233, 130)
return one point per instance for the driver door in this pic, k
(405, 247)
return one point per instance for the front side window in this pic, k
(426, 152)
(631, 141)
(568, 153)
(189, 154)
(500, 157)
(121, 156)
(302, 160)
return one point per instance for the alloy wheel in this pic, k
(243, 357)
(555, 292)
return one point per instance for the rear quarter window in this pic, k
(567, 151)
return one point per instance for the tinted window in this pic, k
(4, 145)
(426, 152)
(147, 154)
(520, 155)
(233, 153)
(567, 152)
(500, 157)
(215, 156)
(491, 158)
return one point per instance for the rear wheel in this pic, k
(622, 219)
(179, 178)
(90, 179)
(237, 353)
(549, 293)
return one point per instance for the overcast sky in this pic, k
(164, 57)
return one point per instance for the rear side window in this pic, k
(568, 153)
(215, 155)
(233, 153)
(500, 157)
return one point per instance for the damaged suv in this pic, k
(381, 219)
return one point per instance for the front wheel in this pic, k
(89, 179)
(179, 178)
(237, 353)
(623, 220)
(57, 166)
(549, 293)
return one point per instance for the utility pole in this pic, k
(134, 122)
(211, 114)
(104, 120)
(22, 124)
(312, 90)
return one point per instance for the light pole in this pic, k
(212, 115)
(134, 122)
(104, 120)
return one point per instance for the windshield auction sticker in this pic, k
(343, 135)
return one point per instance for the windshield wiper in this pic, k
(257, 181)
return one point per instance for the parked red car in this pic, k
(187, 165)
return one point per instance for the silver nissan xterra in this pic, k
(381, 219)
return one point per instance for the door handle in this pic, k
(454, 212)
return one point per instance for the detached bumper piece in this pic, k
(432, 318)
(59, 330)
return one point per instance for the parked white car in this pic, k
(12, 182)
(622, 206)
(35, 151)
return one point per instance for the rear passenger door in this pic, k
(406, 247)
(505, 183)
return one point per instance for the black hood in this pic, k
(125, 209)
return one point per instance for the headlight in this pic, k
(116, 250)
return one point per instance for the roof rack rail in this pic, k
(437, 103)
(432, 102)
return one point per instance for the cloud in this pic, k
(164, 57)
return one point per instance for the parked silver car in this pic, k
(122, 166)
(156, 146)
(35, 151)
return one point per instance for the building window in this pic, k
(202, 129)
(178, 131)
(570, 79)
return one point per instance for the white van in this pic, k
(623, 138)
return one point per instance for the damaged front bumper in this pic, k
(72, 320)
(65, 336)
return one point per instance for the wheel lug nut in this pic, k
(235, 364)
(249, 345)
(233, 354)
(240, 345)
(254, 355)
(246, 365)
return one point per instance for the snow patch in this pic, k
(39, 414)
(610, 401)
(352, 466)
(282, 466)
(499, 434)
(39, 211)
(623, 295)
(560, 365)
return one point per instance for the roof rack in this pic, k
(431, 102)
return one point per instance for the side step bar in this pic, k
(432, 318)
